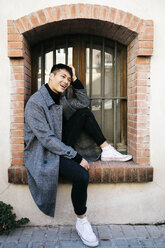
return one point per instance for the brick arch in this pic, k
(109, 22)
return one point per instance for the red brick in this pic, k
(15, 37)
(17, 126)
(57, 13)
(106, 172)
(10, 22)
(72, 11)
(119, 17)
(112, 15)
(42, 17)
(17, 133)
(15, 45)
(120, 175)
(17, 119)
(88, 11)
(15, 53)
(113, 175)
(127, 20)
(96, 11)
(17, 161)
(17, 147)
(19, 26)
(134, 23)
(34, 20)
(149, 174)
(17, 62)
(49, 14)
(98, 175)
(11, 174)
(17, 104)
(92, 175)
(17, 154)
(104, 12)
(17, 97)
(12, 30)
(81, 10)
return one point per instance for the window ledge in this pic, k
(99, 172)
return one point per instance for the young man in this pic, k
(53, 124)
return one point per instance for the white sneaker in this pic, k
(109, 153)
(86, 233)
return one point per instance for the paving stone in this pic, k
(161, 228)
(39, 235)
(116, 231)
(65, 233)
(74, 234)
(22, 245)
(153, 231)
(10, 245)
(105, 244)
(50, 245)
(71, 244)
(159, 243)
(120, 243)
(133, 243)
(141, 231)
(129, 231)
(104, 232)
(147, 243)
(51, 234)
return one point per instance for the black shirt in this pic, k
(56, 98)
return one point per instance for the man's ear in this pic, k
(51, 76)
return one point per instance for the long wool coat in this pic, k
(43, 134)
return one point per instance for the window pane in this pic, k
(108, 123)
(48, 65)
(108, 74)
(87, 71)
(39, 72)
(96, 109)
(70, 55)
(96, 72)
(118, 128)
(60, 56)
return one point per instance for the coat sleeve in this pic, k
(80, 99)
(35, 120)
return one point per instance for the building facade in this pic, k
(117, 49)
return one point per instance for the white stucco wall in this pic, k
(120, 203)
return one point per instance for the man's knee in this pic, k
(83, 177)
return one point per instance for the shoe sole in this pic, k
(116, 159)
(86, 242)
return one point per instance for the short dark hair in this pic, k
(57, 67)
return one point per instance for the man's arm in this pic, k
(35, 119)
(81, 99)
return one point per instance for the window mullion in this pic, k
(115, 94)
(54, 52)
(102, 82)
(42, 65)
(66, 52)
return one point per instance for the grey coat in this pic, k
(43, 134)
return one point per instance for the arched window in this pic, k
(101, 66)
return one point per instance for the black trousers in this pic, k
(82, 119)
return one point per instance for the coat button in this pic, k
(68, 152)
(45, 161)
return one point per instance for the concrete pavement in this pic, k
(110, 236)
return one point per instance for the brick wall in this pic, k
(124, 27)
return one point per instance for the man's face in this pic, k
(60, 81)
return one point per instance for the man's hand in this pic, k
(74, 73)
(84, 164)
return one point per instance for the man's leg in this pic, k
(79, 178)
(84, 119)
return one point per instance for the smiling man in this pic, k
(53, 124)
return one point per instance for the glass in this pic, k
(108, 122)
(70, 55)
(96, 110)
(108, 67)
(96, 73)
(48, 65)
(39, 72)
(87, 71)
(60, 56)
